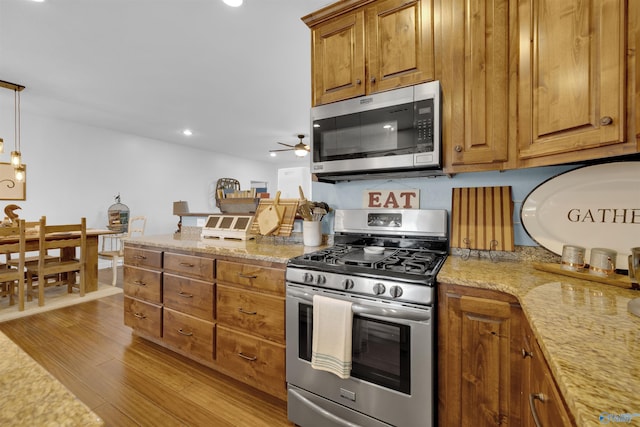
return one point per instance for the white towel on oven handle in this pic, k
(332, 326)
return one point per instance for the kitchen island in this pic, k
(218, 302)
(589, 340)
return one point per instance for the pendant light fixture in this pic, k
(16, 157)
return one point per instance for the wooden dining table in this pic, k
(91, 268)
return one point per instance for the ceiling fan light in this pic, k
(300, 152)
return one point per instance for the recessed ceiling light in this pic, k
(38, 1)
(233, 3)
(272, 154)
(187, 132)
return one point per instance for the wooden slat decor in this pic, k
(286, 225)
(480, 215)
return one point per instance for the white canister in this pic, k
(312, 233)
(602, 262)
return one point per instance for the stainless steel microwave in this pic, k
(388, 134)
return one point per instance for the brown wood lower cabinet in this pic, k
(252, 360)
(188, 334)
(143, 316)
(478, 368)
(489, 364)
(544, 406)
(226, 314)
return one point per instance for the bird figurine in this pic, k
(9, 211)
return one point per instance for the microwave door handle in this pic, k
(367, 310)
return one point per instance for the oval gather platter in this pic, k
(592, 206)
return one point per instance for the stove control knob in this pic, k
(347, 284)
(321, 280)
(307, 278)
(395, 291)
(378, 289)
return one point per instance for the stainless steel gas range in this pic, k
(384, 262)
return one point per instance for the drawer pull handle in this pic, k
(140, 315)
(532, 397)
(182, 294)
(139, 283)
(249, 358)
(247, 276)
(243, 311)
(187, 334)
(187, 264)
(140, 257)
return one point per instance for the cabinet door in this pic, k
(475, 82)
(338, 58)
(545, 404)
(399, 37)
(475, 359)
(572, 84)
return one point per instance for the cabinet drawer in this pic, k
(189, 296)
(189, 334)
(143, 284)
(254, 277)
(142, 257)
(190, 266)
(143, 316)
(256, 314)
(254, 361)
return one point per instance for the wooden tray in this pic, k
(614, 279)
(286, 225)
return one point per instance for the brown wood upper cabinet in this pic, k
(363, 46)
(572, 93)
(475, 83)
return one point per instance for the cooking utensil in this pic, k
(269, 219)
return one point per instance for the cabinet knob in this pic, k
(358, 81)
(458, 148)
(606, 120)
(373, 80)
(526, 354)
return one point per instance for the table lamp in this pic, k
(180, 208)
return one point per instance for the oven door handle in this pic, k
(321, 411)
(370, 310)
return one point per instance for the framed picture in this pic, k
(10, 189)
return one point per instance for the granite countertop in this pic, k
(30, 396)
(588, 337)
(264, 248)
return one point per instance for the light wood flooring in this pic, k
(131, 382)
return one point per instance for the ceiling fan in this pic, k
(300, 149)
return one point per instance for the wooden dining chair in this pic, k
(115, 250)
(31, 257)
(61, 271)
(11, 277)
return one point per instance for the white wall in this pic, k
(75, 170)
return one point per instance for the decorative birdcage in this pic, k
(118, 216)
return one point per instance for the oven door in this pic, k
(391, 380)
